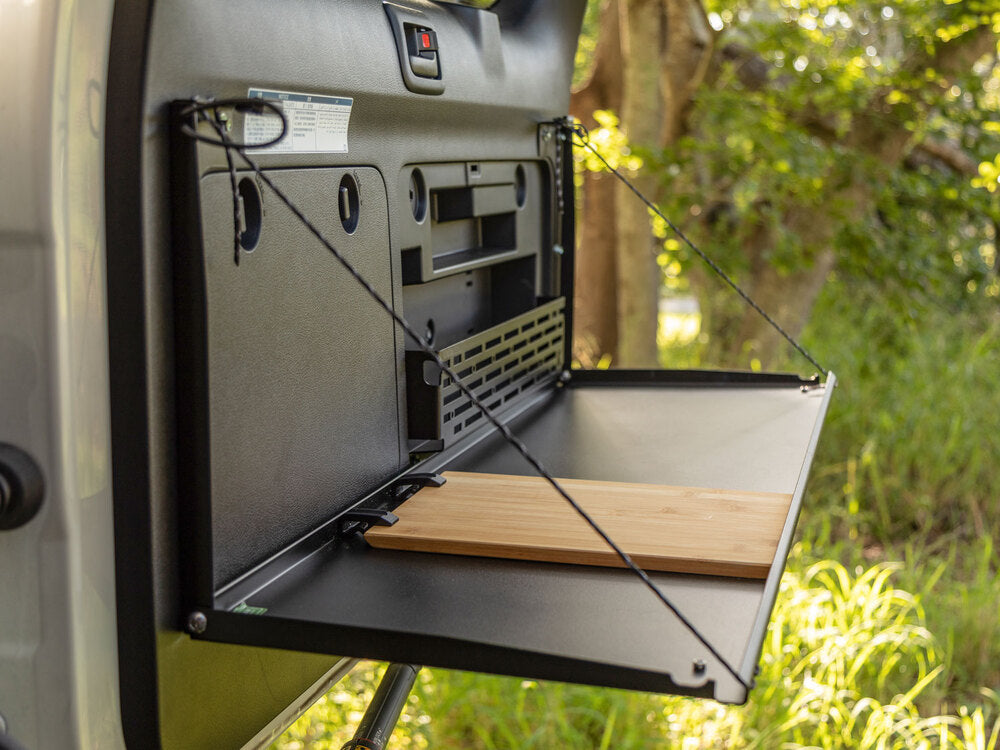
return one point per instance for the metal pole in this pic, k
(383, 712)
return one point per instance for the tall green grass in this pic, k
(846, 659)
(909, 465)
(913, 437)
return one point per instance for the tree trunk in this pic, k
(651, 57)
(642, 116)
(595, 307)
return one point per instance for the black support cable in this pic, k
(578, 129)
(202, 109)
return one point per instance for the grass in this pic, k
(914, 425)
(908, 471)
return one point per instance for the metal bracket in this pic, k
(548, 140)
(362, 519)
(419, 480)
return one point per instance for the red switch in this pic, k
(422, 41)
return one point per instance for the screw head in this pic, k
(197, 623)
(699, 666)
(565, 376)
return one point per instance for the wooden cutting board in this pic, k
(680, 529)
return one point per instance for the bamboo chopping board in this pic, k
(679, 529)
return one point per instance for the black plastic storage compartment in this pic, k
(469, 214)
(282, 563)
(553, 621)
(502, 366)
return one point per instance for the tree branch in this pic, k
(943, 152)
(956, 56)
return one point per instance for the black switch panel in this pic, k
(421, 41)
(417, 46)
(422, 48)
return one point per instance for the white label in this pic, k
(316, 124)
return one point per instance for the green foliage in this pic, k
(845, 662)
(611, 143)
(798, 144)
(913, 428)
(989, 175)
(907, 466)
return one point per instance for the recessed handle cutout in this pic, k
(349, 203)
(251, 214)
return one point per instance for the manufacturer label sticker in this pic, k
(316, 124)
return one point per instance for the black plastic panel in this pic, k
(502, 366)
(300, 367)
(453, 308)
(469, 215)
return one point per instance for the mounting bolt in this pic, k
(547, 134)
(197, 623)
(565, 376)
(699, 666)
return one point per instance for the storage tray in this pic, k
(545, 620)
